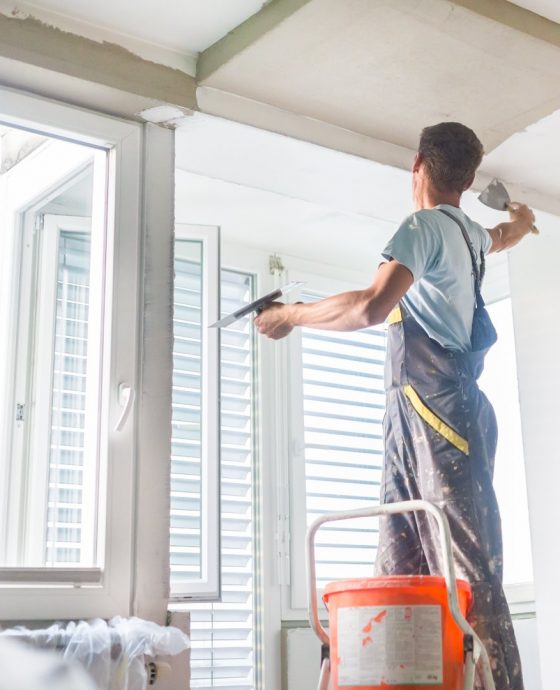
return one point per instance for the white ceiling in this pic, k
(285, 225)
(379, 69)
(385, 69)
(530, 158)
(546, 8)
(184, 26)
(251, 157)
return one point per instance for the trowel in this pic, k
(257, 306)
(496, 196)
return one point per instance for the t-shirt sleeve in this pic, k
(416, 245)
(485, 239)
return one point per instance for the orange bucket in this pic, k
(395, 632)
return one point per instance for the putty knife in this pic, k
(496, 196)
(257, 306)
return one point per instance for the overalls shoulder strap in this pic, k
(478, 274)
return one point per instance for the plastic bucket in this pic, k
(395, 632)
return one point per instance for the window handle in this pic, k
(125, 395)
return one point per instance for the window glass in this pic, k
(51, 355)
(65, 540)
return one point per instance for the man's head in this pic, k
(448, 155)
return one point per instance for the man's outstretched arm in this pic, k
(507, 235)
(348, 311)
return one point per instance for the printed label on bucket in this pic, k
(390, 645)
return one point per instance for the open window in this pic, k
(195, 441)
(68, 365)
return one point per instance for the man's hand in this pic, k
(274, 321)
(507, 235)
(522, 215)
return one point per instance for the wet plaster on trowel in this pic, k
(29, 40)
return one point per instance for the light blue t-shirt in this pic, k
(432, 247)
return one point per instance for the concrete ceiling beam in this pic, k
(243, 36)
(36, 50)
(515, 17)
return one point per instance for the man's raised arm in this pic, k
(508, 234)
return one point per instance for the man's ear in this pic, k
(417, 162)
(469, 183)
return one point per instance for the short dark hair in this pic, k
(451, 153)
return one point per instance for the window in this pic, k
(51, 421)
(342, 406)
(195, 448)
(71, 396)
(69, 342)
(223, 634)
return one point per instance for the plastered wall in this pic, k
(535, 291)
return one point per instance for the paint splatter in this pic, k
(376, 619)
(380, 617)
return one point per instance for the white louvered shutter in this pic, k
(66, 457)
(223, 634)
(343, 404)
(185, 545)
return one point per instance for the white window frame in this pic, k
(208, 586)
(106, 590)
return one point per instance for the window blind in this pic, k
(66, 458)
(343, 405)
(185, 545)
(223, 634)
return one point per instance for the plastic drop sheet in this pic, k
(112, 653)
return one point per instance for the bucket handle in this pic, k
(480, 655)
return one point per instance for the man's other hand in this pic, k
(507, 235)
(522, 215)
(274, 321)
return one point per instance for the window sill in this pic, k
(16, 577)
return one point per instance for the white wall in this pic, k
(535, 291)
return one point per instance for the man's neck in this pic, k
(430, 197)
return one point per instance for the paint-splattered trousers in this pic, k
(440, 442)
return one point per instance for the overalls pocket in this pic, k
(435, 422)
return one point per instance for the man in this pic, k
(439, 428)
